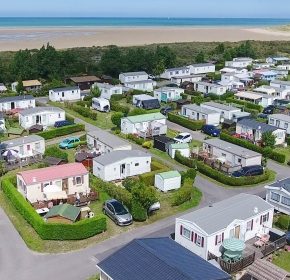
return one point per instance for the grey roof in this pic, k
(231, 148)
(164, 89)
(144, 97)
(64, 89)
(199, 109)
(202, 64)
(140, 82)
(263, 127)
(16, 98)
(220, 106)
(189, 76)
(20, 141)
(116, 156)
(108, 139)
(107, 86)
(36, 110)
(208, 84)
(221, 214)
(286, 83)
(284, 184)
(134, 73)
(281, 117)
(177, 68)
(159, 259)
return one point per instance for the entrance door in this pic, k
(12, 105)
(237, 232)
(123, 170)
(65, 185)
(38, 119)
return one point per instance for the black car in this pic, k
(165, 110)
(253, 170)
(269, 110)
(62, 123)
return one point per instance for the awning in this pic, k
(234, 244)
(56, 195)
(51, 189)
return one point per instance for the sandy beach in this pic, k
(20, 38)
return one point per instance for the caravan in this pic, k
(101, 104)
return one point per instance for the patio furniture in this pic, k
(259, 243)
(265, 238)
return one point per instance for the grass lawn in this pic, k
(282, 259)
(94, 277)
(285, 151)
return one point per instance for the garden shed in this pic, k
(166, 181)
(162, 143)
(183, 148)
(63, 213)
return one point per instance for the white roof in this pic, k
(252, 95)
(199, 109)
(224, 107)
(134, 73)
(281, 117)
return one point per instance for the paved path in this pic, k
(19, 263)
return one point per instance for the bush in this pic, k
(138, 212)
(115, 106)
(183, 194)
(247, 105)
(116, 118)
(85, 112)
(190, 173)
(70, 118)
(54, 151)
(246, 144)
(61, 131)
(136, 139)
(137, 111)
(116, 97)
(284, 222)
(81, 143)
(157, 165)
(185, 122)
(77, 231)
(147, 145)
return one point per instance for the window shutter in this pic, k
(202, 242)
(252, 224)
(195, 238)
(41, 187)
(216, 240)
(192, 236)
(223, 236)
(74, 180)
(261, 219)
(181, 230)
(82, 179)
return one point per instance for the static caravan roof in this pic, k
(252, 95)
(16, 98)
(140, 73)
(109, 139)
(284, 184)
(177, 68)
(209, 84)
(199, 109)
(31, 83)
(64, 89)
(286, 83)
(221, 214)
(202, 64)
(143, 97)
(36, 110)
(231, 148)
(116, 156)
(146, 118)
(263, 127)
(281, 117)
(149, 81)
(220, 106)
(107, 86)
(20, 141)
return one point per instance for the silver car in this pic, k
(117, 212)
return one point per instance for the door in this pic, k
(21, 150)
(12, 105)
(38, 119)
(237, 232)
(122, 170)
(65, 185)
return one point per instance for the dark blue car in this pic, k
(62, 123)
(211, 130)
(253, 170)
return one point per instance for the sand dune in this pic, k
(14, 39)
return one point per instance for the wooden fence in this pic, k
(272, 247)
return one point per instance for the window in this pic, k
(37, 146)
(59, 116)
(198, 240)
(271, 121)
(136, 164)
(277, 123)
(285, 201)
(185, 232)
(239, 160)
(275, 196)
(219, 239)
(285, 125)
(78, 180)
(264, 218)
(28, 147)
(250, 225)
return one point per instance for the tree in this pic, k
(19, 87)
(220, 49)
(95, 92)
(200, 57)
(146, 195)
(116, 118)
(159, 68)
(268, 139)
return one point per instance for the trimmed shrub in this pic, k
(183, 194)
(115, 106)
(85, 112)
(81, 143)
(147, 145)
(284, 222)
(61, 131)
(77, 231)
(138, 212)
(185, 122)
(70, 118)
(54, 151)
(116, 118)
(116, 97)
(246, 144)
(247, 105)
(157, 165)
(136, 139)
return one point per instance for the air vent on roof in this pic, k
(256, 210)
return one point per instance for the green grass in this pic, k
(94, 277)
(282, 259)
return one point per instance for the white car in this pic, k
(183, 138)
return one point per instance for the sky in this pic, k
(146, 8)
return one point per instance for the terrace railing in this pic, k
(273, 246)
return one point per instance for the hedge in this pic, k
(54, 151)
(183, 194)
(136, 139)
(50, 231)
(220, 176)
(85, 112)
(70, 118)
(185, 122)
(283, 222)
(117, 107)
(80, 143)
(248, 105)
(138, 212)
(281, 158)
(61, 131)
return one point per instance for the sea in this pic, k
(57, 22)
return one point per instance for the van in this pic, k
(253, 170)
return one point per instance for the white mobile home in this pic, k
(239, 62)
(133, 77)
(101, 104)
(65, 94)
(187, 78)
(16, 103)
(207, 88)
(168, 94)
(243, 216)
(108, 90)
(202, 68)
(197, 113)
(255, 97)
(280, 121)
(45, 116)
(175, 72)
(168, 181)
(53, 182)
(105, 142)
(280, 84)
(233, 155)
(146, 125)
(277, 59)
(2, 123)
(26, 147)
(226, 112)
(119, 165)
(278, 195)
(145, 85)
(3, 88)
(183, 148)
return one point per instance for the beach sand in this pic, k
(14, 38)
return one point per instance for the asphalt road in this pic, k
(17, 262)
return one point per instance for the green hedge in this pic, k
(248, 105)
(79, 144)
(185, 122)
(283, 222)
(50, 231)
(136, 139)
(85, 112)
(183, 194)
(220, 176)
(70, 118)
(54, 151)
(246, 144)
(117, 107)
(61, 131)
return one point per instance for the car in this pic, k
(117, 212)
(69, 143)
(62, 123)
(165, 110)
(269, 110)
(246, 171)
(211, 130)
(183, 138)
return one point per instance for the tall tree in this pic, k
(200, 57)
